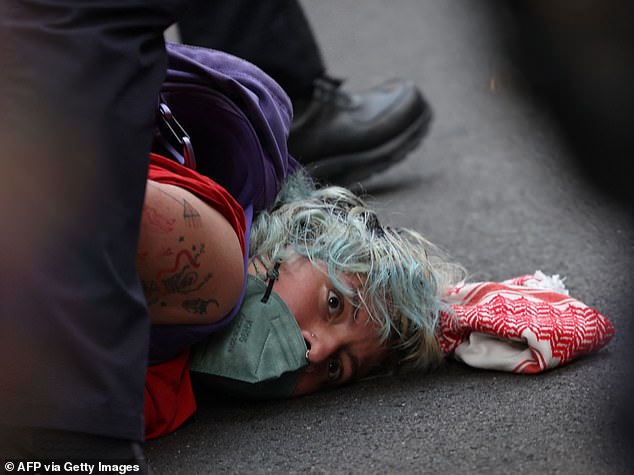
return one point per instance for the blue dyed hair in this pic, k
(403, 274)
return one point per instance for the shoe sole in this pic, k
(351, 168)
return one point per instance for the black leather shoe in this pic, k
(343, 138)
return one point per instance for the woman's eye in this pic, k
(334, 370)
(334, 303)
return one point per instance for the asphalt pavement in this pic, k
(495, 185)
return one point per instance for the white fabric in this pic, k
(526, 325)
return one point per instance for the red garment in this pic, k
(525, 325)
(164, 170)
(169, 398)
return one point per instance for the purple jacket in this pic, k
(238, 120)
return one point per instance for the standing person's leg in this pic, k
(339, 136)
(78, 88)
(274, 35)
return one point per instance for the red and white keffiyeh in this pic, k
(525, 325)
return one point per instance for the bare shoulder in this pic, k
(189, 257)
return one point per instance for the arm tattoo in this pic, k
(191, 216)
(199, 306)
(184, 279)
(157, 221)
(151, 290)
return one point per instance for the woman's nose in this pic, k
(322, 346)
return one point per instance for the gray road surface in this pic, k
(494, 184)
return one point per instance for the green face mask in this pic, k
(259, 355)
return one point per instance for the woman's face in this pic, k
(344, 344)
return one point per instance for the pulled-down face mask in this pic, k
(259, 355)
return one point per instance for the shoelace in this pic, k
(328, 89)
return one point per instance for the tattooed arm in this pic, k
(189, 258)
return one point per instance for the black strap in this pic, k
(272, 274)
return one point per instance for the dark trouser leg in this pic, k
(331, 132)
(78, 88)
(273, 35)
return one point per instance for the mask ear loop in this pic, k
(272, 275)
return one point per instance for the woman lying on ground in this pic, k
(264, 286)
(329, 296)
